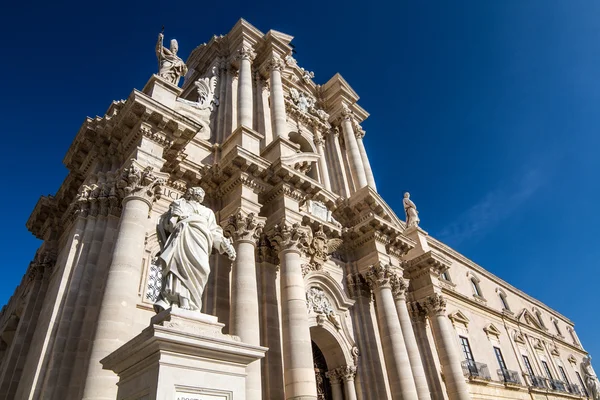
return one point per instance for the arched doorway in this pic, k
(323, 385)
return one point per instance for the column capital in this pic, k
(276, 63)
(347, 113)
(286, 236)
(318, 139)
(399, 287)
(360, 134)
(244, 227)
(346, 372)
(334, 377)
(143, 183)
(246, 52)
(379, 276)
(434, 304)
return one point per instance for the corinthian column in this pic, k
(299, 372)
(244, 101)
(402, 383)
(456, 387)
(320, 143)
(399, 292)
(244, 317)
(348, 373)
(336, 384)
(139, 189)
(365, 159)
(278, 118)
(356, 164)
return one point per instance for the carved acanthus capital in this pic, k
(347, 113)
(247, 228)
(347, 372)
(246, 53)
(399, 287)
(141, 183)
(276, 64)
(380, 275)
(289, 237)
(416, 310)
(357, 286)
(334, 377)
(434, 304)
(359, 133)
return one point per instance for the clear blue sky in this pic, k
(487, 111)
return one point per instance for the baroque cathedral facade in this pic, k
(348, 300)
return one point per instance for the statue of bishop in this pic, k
(187, 233)
(412, 215)
(170, 66)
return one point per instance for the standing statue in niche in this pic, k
(590, 379)
(412, 215)
(187, 233)
(170, 66)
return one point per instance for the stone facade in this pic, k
(325, 268)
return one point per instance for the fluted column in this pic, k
(356, 165)
(336, 384)
(399, 292)
(450, 359)
(397, 362)
(244, 101)
(139, 189)
(348, 373)
(320, 143)
(278, 116)
(365, 159)
(299, 373)
(244, 317)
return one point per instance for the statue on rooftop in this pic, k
(170, 66)
(590, 379)
(187, 233)
(412, 215)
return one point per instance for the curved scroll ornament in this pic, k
(320, 304)
(136, 181)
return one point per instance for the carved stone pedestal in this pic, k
(182, 355)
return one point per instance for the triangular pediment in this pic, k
(528, 318)
(457, 317)
(519, 338)
(490, 329)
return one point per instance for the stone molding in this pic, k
(140, 183)
(434, 304)
(286, 236)
(244, 227)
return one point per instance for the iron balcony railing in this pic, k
(537, 382)
(473, 369)
(508, 376)
(574, 389)
(557, 385)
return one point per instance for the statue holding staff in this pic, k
(170, 66)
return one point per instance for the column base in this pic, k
(182, 354)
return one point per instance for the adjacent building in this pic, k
(350, 301)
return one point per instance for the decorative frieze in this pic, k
(242, 227)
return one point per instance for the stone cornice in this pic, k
(363, 200)
(426, 263)
(43, 215)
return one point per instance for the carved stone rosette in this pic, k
(246, 228)
(289, 237)
(434, 304)
(380, 275)
(140, 183)
(398, 287)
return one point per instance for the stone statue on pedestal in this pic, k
(412, 215)
(187, 233)
(590, 379)
(170, 66)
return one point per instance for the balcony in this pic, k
(509, 377)
(574, 389)
(557, 385)
(537, 382)
(476, 371)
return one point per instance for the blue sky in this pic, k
(486, 111)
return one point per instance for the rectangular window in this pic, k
(500, 359)
(466, 348)
(547, 369)
(581, 383)
(564, 374)
(445, 276)
(528, 365)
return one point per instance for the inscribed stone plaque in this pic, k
(201, 396)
